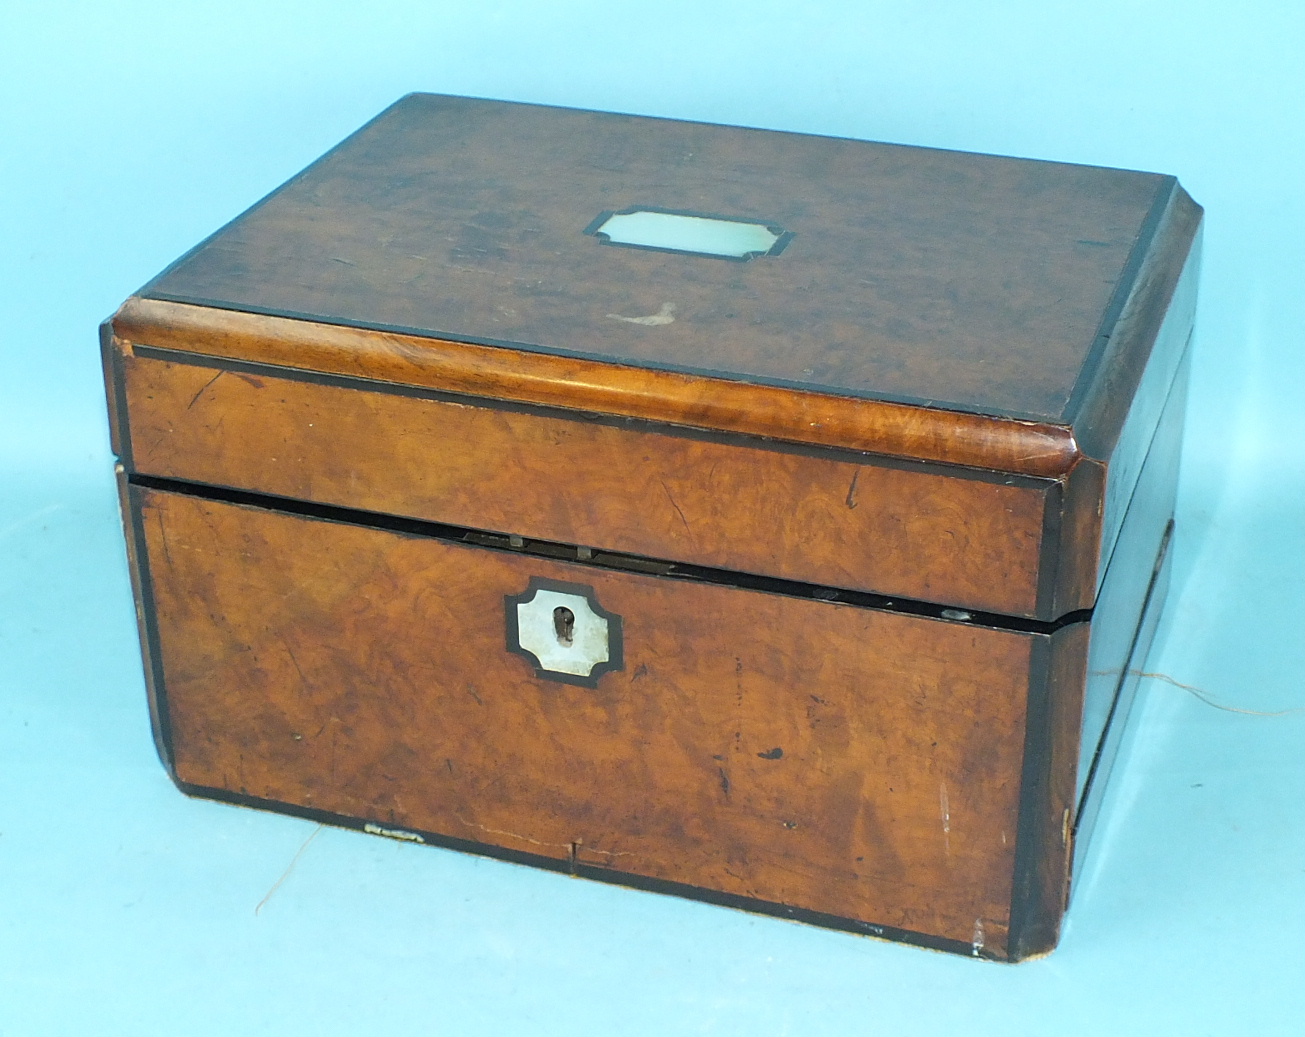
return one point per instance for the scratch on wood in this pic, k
(976, 941)
(195, 399)
(606, 853)
(944, 809)
(512, 835)
(676, 507)
(289, 868)
(298, 670)
(571, 848)
(851, 490)
(163, 535)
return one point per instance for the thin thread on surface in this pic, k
(289, 868)
(1202, 694)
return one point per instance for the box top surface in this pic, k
(949, 280)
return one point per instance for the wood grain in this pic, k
(966, 282)
(790, 414)
(944, 389)
(861, 763)
(928, 535)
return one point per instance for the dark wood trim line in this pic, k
(1100, 403)
(1040, 887)
(147, 619)
(306, 171)
(115, 391)
(1033, 795)
(1124, 288)
(894, 429)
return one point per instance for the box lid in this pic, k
(965, 308)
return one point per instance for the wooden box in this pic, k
(771, 519)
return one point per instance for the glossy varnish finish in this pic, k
(866, 508)
(841, 760)
(812, 418)
(849, 521)
(972, 282)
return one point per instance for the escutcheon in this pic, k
(563, 631)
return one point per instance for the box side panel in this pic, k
(1091, 677)
(1130, 602)
(958, 537)
(1098, 758)
(1133, 446)
(1119, 416)
(842, 761)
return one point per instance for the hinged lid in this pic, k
(986, 311)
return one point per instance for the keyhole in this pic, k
(564, 624)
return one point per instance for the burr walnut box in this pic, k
(771, 519)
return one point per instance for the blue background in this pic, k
(129, 131)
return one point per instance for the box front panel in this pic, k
(956, 537)
(858, 763)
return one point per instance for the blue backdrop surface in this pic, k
(129, 131)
